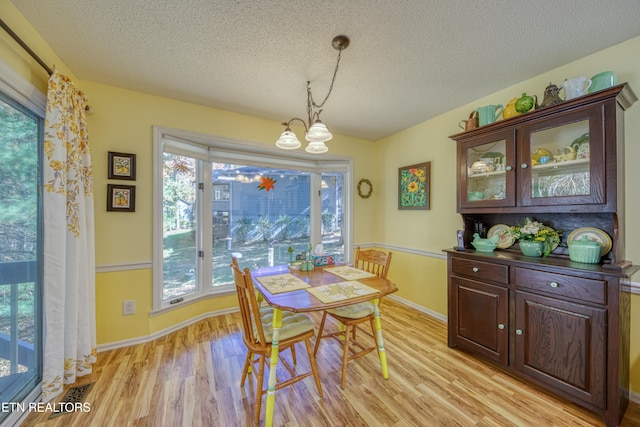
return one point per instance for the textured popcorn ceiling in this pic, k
(409, 60)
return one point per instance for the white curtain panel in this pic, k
(69, 252)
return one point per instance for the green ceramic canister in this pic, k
(584, 250)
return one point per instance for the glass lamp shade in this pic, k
(288, 140)
(318, 132)
(316, 147)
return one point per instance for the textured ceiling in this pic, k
(409, 60)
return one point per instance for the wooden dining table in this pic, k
(302, 300)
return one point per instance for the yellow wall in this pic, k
(419, 280)
(122, 122)
(431, 231)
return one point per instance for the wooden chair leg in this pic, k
(314, 368)
(320, 329)
(375, 334)
(345, 355)
(259, 385)
(245, 370)
(293, 355)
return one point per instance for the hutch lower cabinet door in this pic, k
(562, 344)
(479, 318)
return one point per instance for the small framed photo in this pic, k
(122, 166)
(121, 198)
(414, 184)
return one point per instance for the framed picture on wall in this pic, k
(414, 183)
(121, 198)
(122, 166)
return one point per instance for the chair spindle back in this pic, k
(253, 334)
(373, 261)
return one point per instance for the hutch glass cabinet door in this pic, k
(562, 160)
(487, 172)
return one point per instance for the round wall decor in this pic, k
(366, 191)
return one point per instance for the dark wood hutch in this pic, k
(556, 323)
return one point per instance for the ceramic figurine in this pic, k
(485, 245)
(538, 154)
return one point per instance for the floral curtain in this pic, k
(69, 253)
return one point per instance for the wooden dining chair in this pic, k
(257, 334)
(372, 261)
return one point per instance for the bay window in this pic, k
(214, 199)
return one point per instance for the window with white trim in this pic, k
(214, 199)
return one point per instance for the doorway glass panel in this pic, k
(20, 252)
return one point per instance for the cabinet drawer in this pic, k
(574, 287)
(480, 270)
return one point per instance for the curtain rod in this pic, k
(32, 53)
(25, 47)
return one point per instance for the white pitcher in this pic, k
(575, 87)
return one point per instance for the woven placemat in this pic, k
(341, 291)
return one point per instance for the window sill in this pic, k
(215, 293)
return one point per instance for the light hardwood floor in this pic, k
(191, 378)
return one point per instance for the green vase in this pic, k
(530, 248)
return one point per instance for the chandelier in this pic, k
(316, 132)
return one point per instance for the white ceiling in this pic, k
(409, 60)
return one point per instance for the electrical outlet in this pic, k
(128, 307)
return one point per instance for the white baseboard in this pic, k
(141, 340)
(420, 308)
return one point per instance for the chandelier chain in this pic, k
(316, 132)
(335, 73)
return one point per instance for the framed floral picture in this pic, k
(121, 198)
(414, 186)
(122, 166)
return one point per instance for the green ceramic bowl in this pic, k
(484, 245)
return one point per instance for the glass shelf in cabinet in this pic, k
(485, 174)
(566, 164)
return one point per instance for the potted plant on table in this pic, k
(535, 238)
